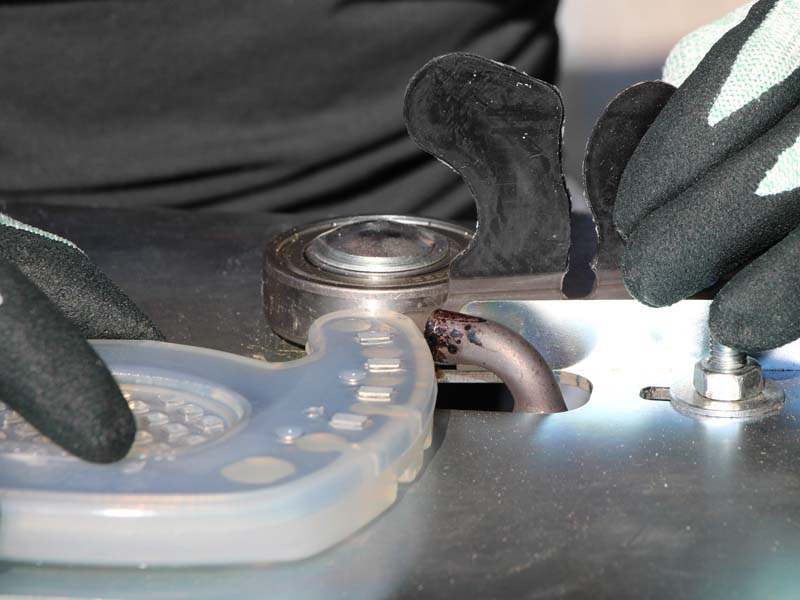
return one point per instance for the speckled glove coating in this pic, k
(714, 184)
(51, 298)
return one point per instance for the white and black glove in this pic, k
(714, 184)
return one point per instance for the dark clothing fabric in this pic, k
(279, 105)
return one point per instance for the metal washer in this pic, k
(688, 402)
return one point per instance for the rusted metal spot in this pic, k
(456, 338)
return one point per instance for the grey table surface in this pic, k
(608, 502)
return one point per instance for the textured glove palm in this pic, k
(714, 184)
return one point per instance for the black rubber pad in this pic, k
(614, 139)
(501, 130)
(53, 378)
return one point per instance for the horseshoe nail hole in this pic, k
(258, 470)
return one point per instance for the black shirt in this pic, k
(281, 105)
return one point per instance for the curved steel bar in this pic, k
(455, 338)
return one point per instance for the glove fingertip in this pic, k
(115, 434)
(758, 310)
(54, 379)
(733, 323)
(646, 269)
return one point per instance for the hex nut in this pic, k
(740, 384)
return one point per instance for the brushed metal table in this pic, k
(621, 498)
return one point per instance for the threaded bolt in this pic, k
(724, 359)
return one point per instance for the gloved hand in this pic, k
(51, 298)
(714, 184)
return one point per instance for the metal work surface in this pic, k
(621, 498)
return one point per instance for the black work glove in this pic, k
(714, 184)
(52, 297)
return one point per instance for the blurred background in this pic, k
(607, 45)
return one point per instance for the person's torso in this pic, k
(246, 105)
